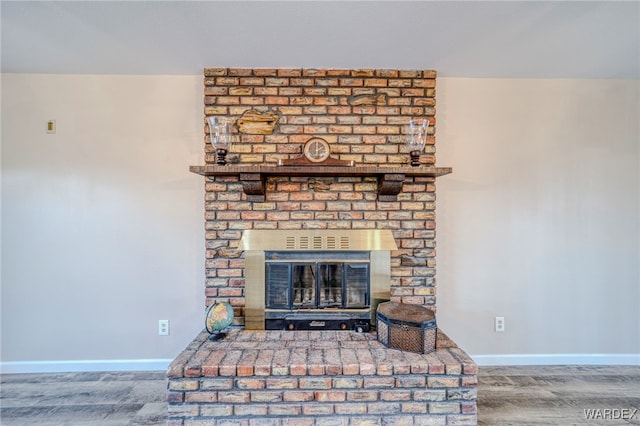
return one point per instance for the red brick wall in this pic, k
(361, 113)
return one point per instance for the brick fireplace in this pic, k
(320, 377)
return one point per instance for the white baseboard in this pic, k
(557, 359)
(19, 367)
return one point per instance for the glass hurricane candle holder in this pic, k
(220, 136)
(416, 132)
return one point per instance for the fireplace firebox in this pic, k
(315, 279)
(311, 290)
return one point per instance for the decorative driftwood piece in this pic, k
(406, 260)
(230, 253)
(254, 122)
(380, 99)
(318, 184)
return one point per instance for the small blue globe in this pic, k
(218, 317)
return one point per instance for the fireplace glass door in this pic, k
(294, 282)
(304, 287)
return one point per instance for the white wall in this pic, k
(102, 224)
(539, 221)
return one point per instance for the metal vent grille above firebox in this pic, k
(318, 242)
(339, 239)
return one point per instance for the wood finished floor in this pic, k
(550, 395)
(557, 395)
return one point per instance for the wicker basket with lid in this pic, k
(406, 327)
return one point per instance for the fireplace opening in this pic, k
(317, 290)
(315, 279)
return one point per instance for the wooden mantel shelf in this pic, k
(253, 178)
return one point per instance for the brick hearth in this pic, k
(319, 378)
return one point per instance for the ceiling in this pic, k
(500, 39)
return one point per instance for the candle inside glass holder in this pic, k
(220, 136)
(416, 132)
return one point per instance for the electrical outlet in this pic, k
(163, 327)
(499, 324)
(51, 126)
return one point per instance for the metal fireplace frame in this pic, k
(255, 243)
